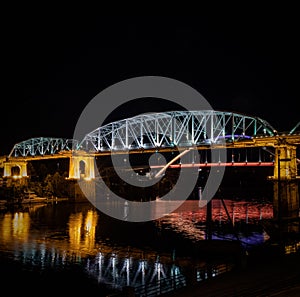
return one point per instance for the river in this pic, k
(60, 235)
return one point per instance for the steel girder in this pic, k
(295, 129)
(42, 146)
(175, 128)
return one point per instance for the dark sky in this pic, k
(53, 65)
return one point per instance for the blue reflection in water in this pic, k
(128, 271)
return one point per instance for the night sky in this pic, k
(54, 65)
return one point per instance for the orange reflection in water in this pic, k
(15, 226)
(90, 229)
(82, 230)
(75, 224)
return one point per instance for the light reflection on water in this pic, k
(60, 234)
(189, 220)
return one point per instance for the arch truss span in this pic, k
(42, 146)
(175, 128)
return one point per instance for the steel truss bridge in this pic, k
(208, 131)
(164, 131)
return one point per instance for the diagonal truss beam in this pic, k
(42, 146)
(175, 128)
(155, 130)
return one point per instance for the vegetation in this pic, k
(42, 185)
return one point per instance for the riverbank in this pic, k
(267, 273)
(31, 200)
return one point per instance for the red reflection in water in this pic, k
(187, 217)
(238, 210)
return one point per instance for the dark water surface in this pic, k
(64, 247)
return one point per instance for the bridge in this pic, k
(202, 130)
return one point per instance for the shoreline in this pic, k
(28, 201)
(265, 274)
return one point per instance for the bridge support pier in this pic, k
(85, 191)
(286, 193)
(82, 166)
(16, 169)
(82, 171)
(15, 172)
